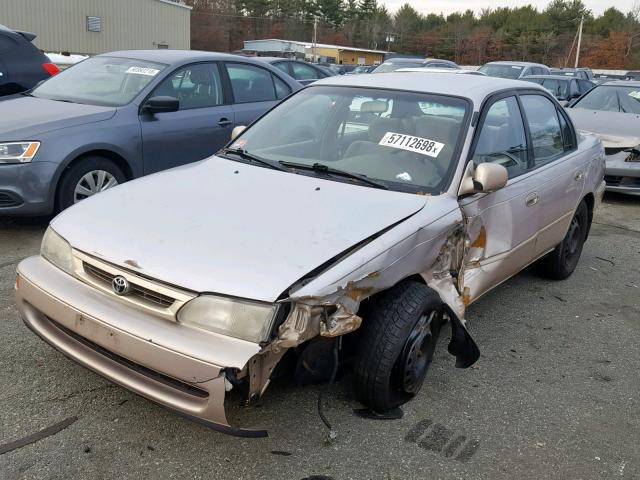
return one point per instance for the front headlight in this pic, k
(57, 250)
(18, 152)
(251, 321)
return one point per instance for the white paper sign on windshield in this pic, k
(151, 72)
(423, 146)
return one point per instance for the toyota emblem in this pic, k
(120, 285)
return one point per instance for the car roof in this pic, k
(406, 60)
(439, 70)
(622, 83)
(523, 64)
(174, 56)
(277, 59)
(553, 77)
(474, 87)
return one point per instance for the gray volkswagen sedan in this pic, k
(121, 115)
(348, 226)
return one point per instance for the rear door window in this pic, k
(251, 83)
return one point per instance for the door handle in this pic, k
(531, 200)
(224, 122)
(578, 176)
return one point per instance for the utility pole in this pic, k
(315, 39)
(390, 37)
(579, 41)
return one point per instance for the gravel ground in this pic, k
(554, 395)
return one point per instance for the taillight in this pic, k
(50, 68)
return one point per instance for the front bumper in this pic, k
(622, 176)
(87, 326)
(26, 188)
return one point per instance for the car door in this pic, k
(200, 127)
(503, 224)
(255, 90)
(557, 167)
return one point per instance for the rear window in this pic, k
(7, 43)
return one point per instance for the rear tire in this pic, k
(560, 264)
(397, 345)
(90, 175)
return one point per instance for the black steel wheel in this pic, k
(561, 263)
(397, 345)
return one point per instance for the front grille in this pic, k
(137, 291)
(9, 200)
(136, 367)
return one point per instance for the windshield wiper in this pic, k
(242, 153)
(321, 168)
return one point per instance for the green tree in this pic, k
(407, 23)
(564, 15)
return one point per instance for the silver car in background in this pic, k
(612, 111)
(369, 208)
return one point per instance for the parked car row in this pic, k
(119, 116)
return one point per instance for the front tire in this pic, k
(397, 345)
(89, 176)
(561, 263)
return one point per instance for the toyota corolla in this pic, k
(371, 209)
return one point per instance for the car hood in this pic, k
(226, 227)
(24, 118)
(615, 129)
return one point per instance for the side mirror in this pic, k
(237, 131)
(485, 178)
(161, 104)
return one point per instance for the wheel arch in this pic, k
(119, 160)
(590, 200)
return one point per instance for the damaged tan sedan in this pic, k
(371, 209)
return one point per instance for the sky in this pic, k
(449, 6)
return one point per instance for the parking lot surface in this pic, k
(555, 394)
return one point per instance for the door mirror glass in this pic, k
(161, 104)
(237, 131)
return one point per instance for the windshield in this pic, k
(392, 67)
(502, 71)
(404, 141)
(106, 81)
(612, 98)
